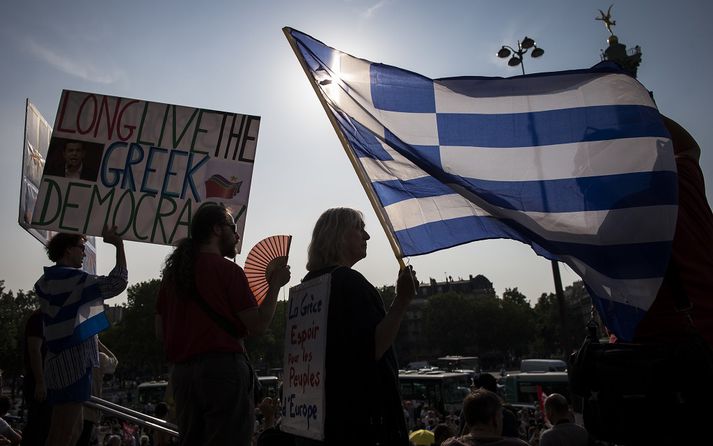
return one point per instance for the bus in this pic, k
(543, 365)
(269, 386)
(151, 392)
(453, 363)
(443, 391)
(521, 388)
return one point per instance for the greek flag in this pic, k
(577, 164)
(72, 306)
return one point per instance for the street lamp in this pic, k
(523, 47)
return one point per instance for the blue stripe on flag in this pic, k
(580, 194)
(431, 154)
(442, 234)
(567, 195)
(82, 332)
(89, 294)
(394, 89)
(643, 260)
(530, 85)
(54, 299)
(61, 273)
(317, 52)
(94, 325)
(362, 139)
(620, 318)
(393, 191)
(550, 127)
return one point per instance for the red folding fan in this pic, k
(272, 249)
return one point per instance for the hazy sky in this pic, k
(233, 56)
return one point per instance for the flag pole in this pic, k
(366, 184)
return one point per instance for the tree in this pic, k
(133, 340)
(497, 330)
(388, 294)
(518, 325)
(488, 322)
(267, 350)
(547, 332)
(449, 323)
(548, 322)
(514, 296)
(14, 312)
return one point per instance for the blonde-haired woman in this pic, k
(363, 403)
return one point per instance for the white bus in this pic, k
(543, 365)
(441, 390)
(452, 363)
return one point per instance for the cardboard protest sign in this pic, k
(143, 166)
(303, 365)
(36, 142)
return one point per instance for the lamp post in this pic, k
(523, 47)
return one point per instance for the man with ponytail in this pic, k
(204, 311)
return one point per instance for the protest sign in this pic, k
(36, 142)
(145, 167)
(303, 365)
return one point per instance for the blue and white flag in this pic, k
(72, 305)
(577, 164)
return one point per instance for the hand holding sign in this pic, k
(111, 237)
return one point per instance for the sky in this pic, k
(233, 56)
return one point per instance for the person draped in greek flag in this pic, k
(72, 305)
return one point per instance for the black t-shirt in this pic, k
(363, 401)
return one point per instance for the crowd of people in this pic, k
(484, 418)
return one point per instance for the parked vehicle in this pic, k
(269, 386)
(151, 392)
(443, 391)
(451, 363)
(521, 389)
(417, 365)
(543, 365)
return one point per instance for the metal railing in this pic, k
(132, 415)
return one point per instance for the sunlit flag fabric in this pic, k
(577, 164)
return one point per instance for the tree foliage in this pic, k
(15, 309)
(133, 340)
(448, 323)
(267, 350)
(518, 324)
(141, 355)
(550, 340)
(496, 330)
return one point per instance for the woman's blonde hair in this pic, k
(327, 245)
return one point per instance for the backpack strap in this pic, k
(219, 319)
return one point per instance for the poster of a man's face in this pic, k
(73, 159)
